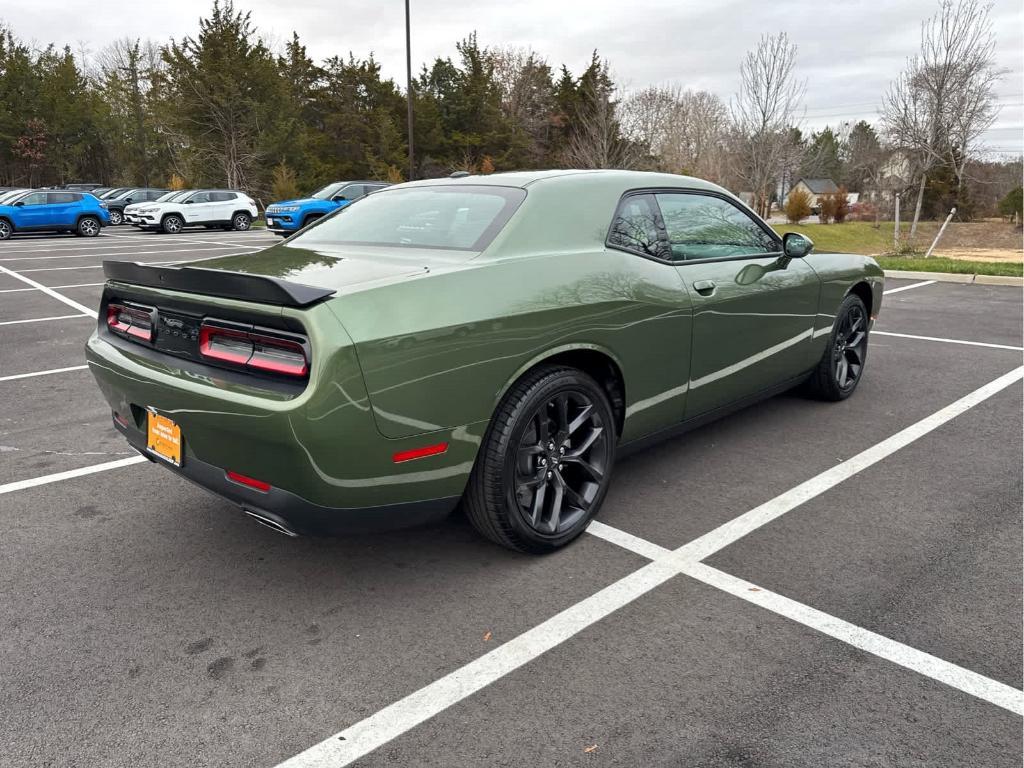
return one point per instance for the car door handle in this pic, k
(704, 287)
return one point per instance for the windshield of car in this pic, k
(114, 193)
(11, 195)
(123, 194)
(170, 197)
(329, 191)
(455, 217)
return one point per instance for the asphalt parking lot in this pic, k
(799, 584)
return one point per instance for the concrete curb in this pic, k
(950, 277)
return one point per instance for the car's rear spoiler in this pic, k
(216, 282)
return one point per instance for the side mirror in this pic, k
(188, 202)
(19, 204)
(795, 245)
(339, 198)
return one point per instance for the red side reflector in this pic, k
(252, 482)
(419, 453)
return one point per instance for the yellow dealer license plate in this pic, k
(163, 437)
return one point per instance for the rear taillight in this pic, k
(130, 321)
(254, 349)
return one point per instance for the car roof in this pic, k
(523, 179)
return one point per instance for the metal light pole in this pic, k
(408, 89)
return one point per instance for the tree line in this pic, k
(226, 108)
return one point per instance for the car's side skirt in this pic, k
(633, 446)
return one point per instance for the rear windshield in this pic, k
(462, 218)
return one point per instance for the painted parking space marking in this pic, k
(158, 252)
(48, 291)
(953, 675)
(41, 319)
(367, 735)
(947, 341)
(56, 477)
(922, 284)
(55, 287)
(43, 373)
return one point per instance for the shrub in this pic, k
(826, 208)
(841, 201)
(1012, 205)
(486, 165)
(797, 206)
(283, 185)
(176, 183)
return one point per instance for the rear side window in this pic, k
(463, 218)
(221, 197)
(709, 227)
(54, 198)
(635, 227)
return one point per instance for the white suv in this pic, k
(203, 208)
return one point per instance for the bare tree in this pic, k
(682, 131)
(944, 100)
(763, 112)
(527, 98)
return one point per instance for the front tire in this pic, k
(842, 363)
(88, 226)
(546, 462)
(6, 230)
(172, 224)
(241, 222)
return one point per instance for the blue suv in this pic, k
(53, 211)
(290, 216)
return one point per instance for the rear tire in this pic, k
(116, 219)
(241, 222)
(172, 224)
(88, 226)
(546, 462)
(842, 364)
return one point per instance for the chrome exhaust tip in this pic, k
(271, 523)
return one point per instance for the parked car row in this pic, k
(86, 208)
(86, 212)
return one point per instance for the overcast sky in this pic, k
(848, 51)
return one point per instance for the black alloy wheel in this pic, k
(560, 463)
(546, 461)
(850, 346)
(842, 364)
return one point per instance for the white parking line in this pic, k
(48, 291)
(953, 675)
(947, 341)
(55, 287)
(908, 287)
(44, 373)
(40, 319)
(126, 256)
(363, 737)
(20, 485)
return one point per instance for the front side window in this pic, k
(708, 227)
(635, 226)
(353, 191)
(36, 198)
(464, 218)
(199, 197)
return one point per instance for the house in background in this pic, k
(815, 188)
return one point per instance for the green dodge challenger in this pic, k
(495, 341)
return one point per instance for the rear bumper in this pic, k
(294, 514)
